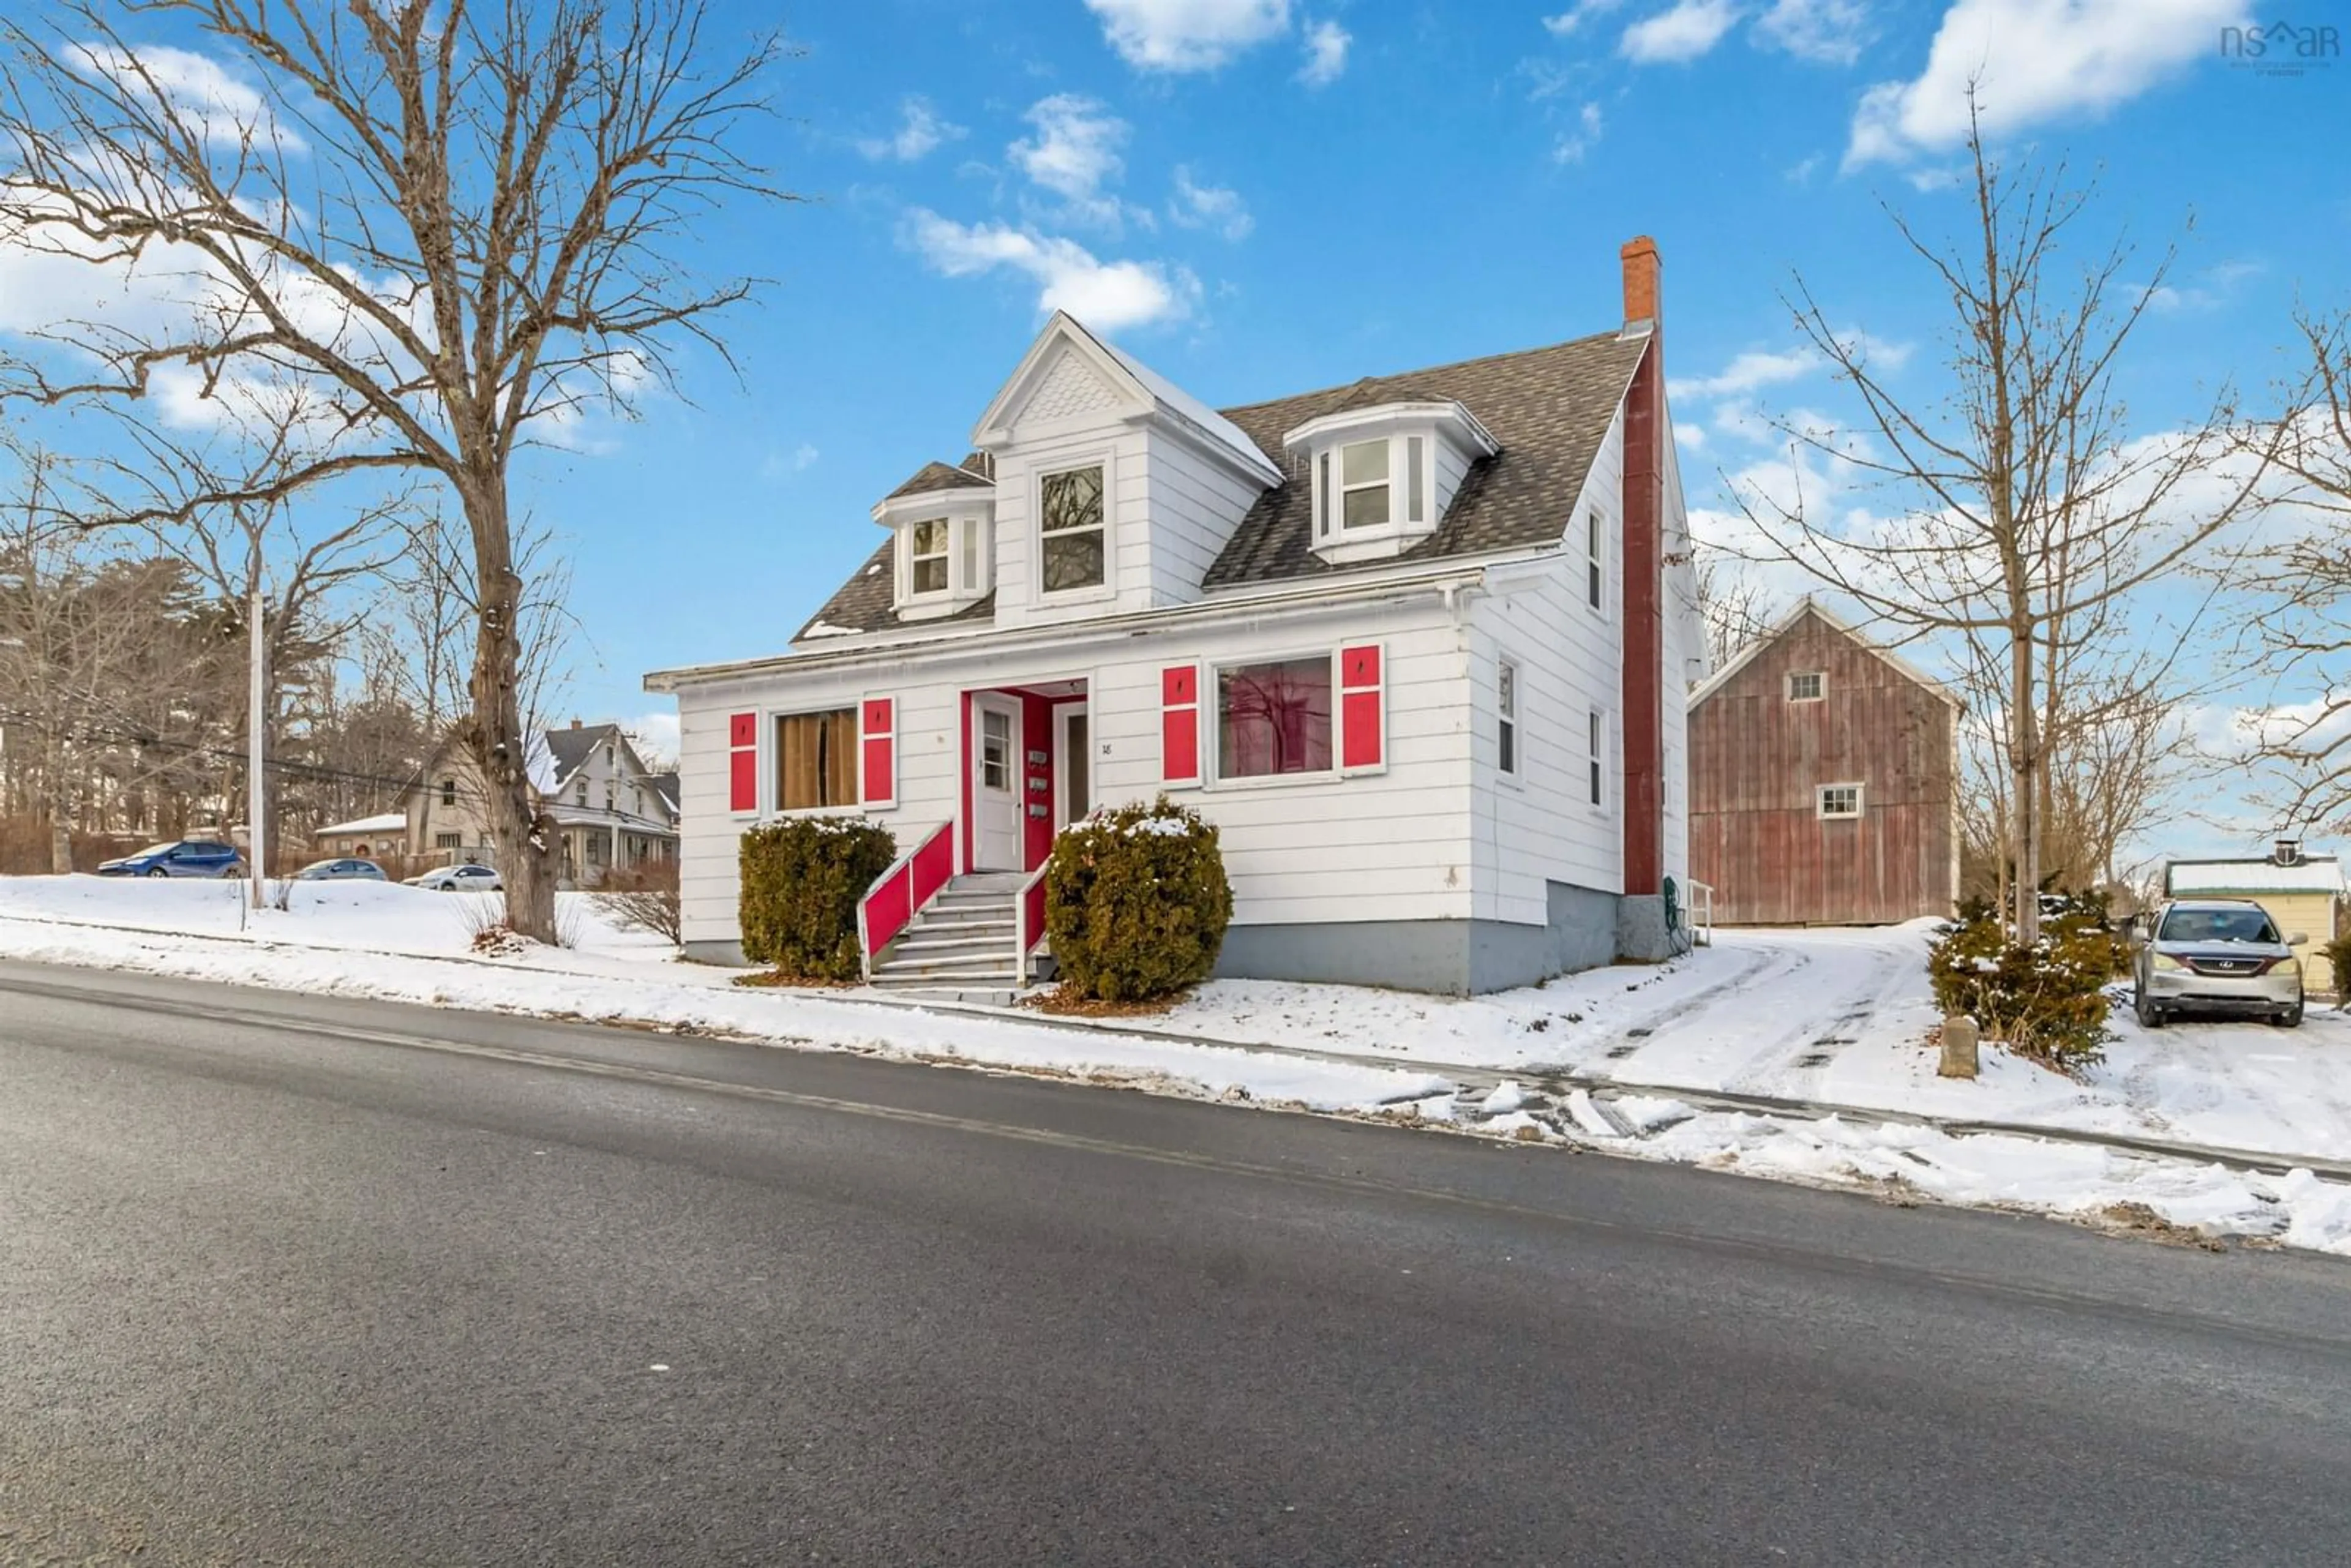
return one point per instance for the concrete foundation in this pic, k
(1450, 958)
(1643, 934)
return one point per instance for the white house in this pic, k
(1416, 644)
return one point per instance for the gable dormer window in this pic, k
(1071, 528)
(1383, 476)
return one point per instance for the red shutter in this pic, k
(1362, 721)
(1180, 723)
(878, 731)
(743, 762)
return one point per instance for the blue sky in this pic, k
(1258, 197)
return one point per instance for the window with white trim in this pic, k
(1595, 574)
(927, 557)
(1274, 718)
(1506, 710)
(1596, 759)
(1070, 522)
(1365, 497)
(816, 760)
(1840, 801)
(1806, 685)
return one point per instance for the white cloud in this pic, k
(196, 87)
(1801, 173)
(1831, 32)
(1565, 24)
(1198, 206)
(1746, 372)
(655, 736)
(1688, 29)
(1572, 145)
(1188, 34)
(1105, 295)
(1074, 153)
(1756, 369)
(920, 130)
(2031, 61)
(1326, 53)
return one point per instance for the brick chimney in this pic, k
(575, 724)
(1641, 557)
(1639, 256)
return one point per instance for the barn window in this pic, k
(1506, 706)
(816, 760)
(1805, 686)
(1840, 800)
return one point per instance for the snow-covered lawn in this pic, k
(1831, 1017)
(1837, 1018)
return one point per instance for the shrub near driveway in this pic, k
(802, 880)
(1137, 902)
(2046, 1002)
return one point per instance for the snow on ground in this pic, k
(1829, 1016)
(402, 944)
(1832, 1016)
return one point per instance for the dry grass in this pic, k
(794, 982)
(1054, 1002)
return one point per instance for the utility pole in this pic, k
(257, 733)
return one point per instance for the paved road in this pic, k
(289, 1279)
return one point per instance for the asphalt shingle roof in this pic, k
(571, 747)
(933, 477)
(867, 601)
(1549, 409)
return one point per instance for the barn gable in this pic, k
(1822, 781)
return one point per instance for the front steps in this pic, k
(959, 946)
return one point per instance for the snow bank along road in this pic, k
(291, 1278)
(1834, 1017)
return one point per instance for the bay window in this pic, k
(927, 557)
(1365, 501)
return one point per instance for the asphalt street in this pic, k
(297, 1280)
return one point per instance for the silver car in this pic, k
(345, 870)
(2220, 956)
(467, 878)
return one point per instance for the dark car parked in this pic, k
(187, 857)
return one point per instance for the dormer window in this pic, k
(940, 524)
(1363, 485)
(1383, 476)
(926, 558)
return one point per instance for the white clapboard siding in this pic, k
(1541, 827)
(1391, 845)
(1196, 500)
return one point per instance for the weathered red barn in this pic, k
(1822, 781)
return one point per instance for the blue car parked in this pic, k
(186, 857)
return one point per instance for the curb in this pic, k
(1467, 1075)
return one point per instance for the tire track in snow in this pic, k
(1719, 1046)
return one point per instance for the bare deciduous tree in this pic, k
(456, 226)
(2023, 505)
(2304, 628)
(1731, 605)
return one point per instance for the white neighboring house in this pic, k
(611, 810)
(365, 837)
(1416, 643)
